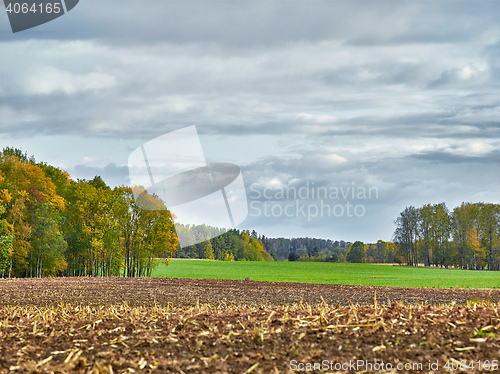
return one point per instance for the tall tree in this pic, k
(6, 239)
(27, 187)
(440, 233)
(462, 230)
(406, 233)
(356, 252)
(488, 220)
(425, 231)
(48, 245)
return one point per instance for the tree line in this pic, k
(51, 225)
(465, 238)
(231, 245)
(295, 248)
(321, 250)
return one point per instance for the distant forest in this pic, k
(468, 237)
(232, 245)
(51, 225)
(310, 249)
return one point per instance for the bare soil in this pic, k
(116, 325)
(160, 291)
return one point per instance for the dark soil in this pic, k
(160, 291)
(206, 326)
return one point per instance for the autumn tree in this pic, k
(27, 189)
(465, 243)
(208, 252)
(488, 223)
(147, 232)
(467, 238)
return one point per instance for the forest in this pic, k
(325, 250)
(51, 225)
(231, 245)
(468, 237)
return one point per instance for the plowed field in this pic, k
(83, 325)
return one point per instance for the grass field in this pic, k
(330, 273)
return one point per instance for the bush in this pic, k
(332, 258)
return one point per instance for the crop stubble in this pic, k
(117, 325)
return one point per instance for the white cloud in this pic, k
(48, 80)
(472, 148)
(336, 159)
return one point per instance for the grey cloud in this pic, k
(491, 158)
(240, 25)
(427, 22)
(383, 93)
(406, 73)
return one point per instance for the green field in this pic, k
(330, 273)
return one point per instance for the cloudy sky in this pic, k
(400, 98)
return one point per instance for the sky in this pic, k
(339, 113)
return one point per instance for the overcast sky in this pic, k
(397, 97)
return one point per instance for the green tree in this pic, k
(207, 249)
(425, 231)
(48, 245)
(440, 235)
(462, 224)
(406, 234)
(488, 222)
(356, 252)
(6, 240)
